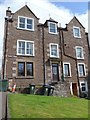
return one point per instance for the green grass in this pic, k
(35, 106)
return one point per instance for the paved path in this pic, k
(2, 104)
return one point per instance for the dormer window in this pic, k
(52, 28)
(76, 32)
(26, 23)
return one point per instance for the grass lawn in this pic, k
(35, 106)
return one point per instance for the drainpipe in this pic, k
(5, 44)
(43, 42)
(62, 75)
(75, 62)
(8, 19)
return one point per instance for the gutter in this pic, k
(43, 54)
(5, 44)
(61, 54)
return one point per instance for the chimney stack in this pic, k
(8, 12)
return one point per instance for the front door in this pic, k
(74, 89)
(55, 72)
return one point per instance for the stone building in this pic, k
(35, 53)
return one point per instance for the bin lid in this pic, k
(32, 84)
(46, 85)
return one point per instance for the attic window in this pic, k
(26, 23)
(52, 27)
(76, 32)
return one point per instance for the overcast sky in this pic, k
(62, 12)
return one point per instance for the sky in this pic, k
(74, 7)
(60, 11)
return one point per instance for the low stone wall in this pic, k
(62, 89)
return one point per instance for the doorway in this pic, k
(55, 72)
(74, 89)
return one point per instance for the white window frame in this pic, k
(69, 69)
(57, 50)
(85, 86)
(55, 27)
(84, 70)
(26, 23)
(81, 51)
(25, 47)
(74, 32)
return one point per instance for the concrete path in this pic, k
(3, 104)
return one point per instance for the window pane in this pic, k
(29, 23)
(29, 69)
(22, 25)
(54, 50)
(83, 89)
(21, 69)
(66, 70)
(29, 26)
(54, 70)
(76, 32)
(79, 53)
(22, 22)
(29, 48)
(83, 84)
(81, 70)
(21, 47)
(52, 28)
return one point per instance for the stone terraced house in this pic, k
(35, 53)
